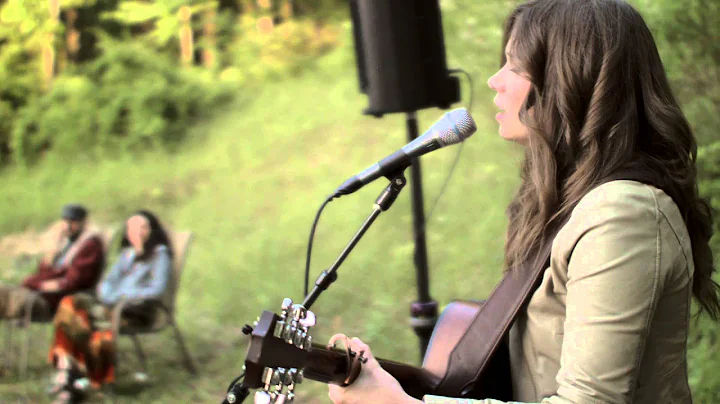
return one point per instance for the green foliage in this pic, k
(687, 33)
(161, 18)
(24, 29)
(129, 99)
(284, 51)
(709, 175)
(92, 107)
(249, 193)
(703, 360)
(238, 196)
(25, 22)
(320, 9)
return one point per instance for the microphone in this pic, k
(453, 127)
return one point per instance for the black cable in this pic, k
(430, 212)
(232, 383)
(457, 155)
(310, 241)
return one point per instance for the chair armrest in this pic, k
(123, 304)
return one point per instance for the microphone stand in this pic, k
(238, 392)
(383, 202)
(423, 311)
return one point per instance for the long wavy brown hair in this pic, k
(601, 103)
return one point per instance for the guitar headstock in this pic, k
(278, 351)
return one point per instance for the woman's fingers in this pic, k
(357, 345)
(335, 393)
(338, 337)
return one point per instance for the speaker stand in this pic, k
(423, 311)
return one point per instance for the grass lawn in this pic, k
(249, 185)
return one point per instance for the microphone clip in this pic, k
(383, 202)
(391, 192)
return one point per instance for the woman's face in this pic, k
(138, 231)
(512, 87)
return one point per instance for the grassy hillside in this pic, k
(248, 185)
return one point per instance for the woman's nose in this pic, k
(493, 82)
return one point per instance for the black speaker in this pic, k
(400, 55)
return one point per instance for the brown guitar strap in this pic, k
(491, 324)
(471, 356)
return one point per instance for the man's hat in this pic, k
(74, 211)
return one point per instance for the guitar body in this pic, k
(444, 372)
(453, 324)
(330, 366)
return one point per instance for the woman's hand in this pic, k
(52, 285)
(373, 385)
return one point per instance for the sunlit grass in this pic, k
(249, 184)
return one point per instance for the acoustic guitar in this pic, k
(281, 354)
(467, 356)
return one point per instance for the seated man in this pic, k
(75, 265)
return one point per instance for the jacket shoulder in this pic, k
(621, 197)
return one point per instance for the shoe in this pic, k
(82, 384)
(141, 377)
(59, 382)
(64, 397)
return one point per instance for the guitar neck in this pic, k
(331, 365)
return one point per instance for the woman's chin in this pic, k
(513, 137)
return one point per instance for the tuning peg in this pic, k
(309, 320)
(290, 376)
(299, 338)
(279, 329)
(268, 376)
(275, 378)
(298, 311)
(262, 397)
(281, 374)
(286, 303)
(289, 333)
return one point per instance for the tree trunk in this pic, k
(186, 37)
(72, 37)
(286, 11)
(210, 40)
(48, 48)
(248, 6)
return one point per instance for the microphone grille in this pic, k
(461, 127)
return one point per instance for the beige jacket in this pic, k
(609, 322)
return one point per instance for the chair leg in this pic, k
(25, 350)
(140, 353)
(10, 357)
(183, 349)
(27, 322)
(7, 346)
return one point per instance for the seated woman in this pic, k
(83, 350)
